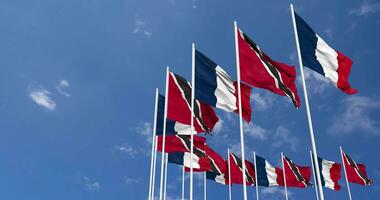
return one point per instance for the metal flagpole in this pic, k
(240, 112)
(192, 117)
(256, 178)
(164, 133)
(229, 175)
(183, 182)
(313, 145)
(153, 144)
(204, 186)
(315, 180)
(166, 174)
(283, 171)
(345, 173)
(154, 167)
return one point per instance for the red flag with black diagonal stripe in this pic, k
(296, 175)
(356, 173)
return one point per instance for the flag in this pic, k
(215, 87)
(216, 163)
(267, 175)
(321, 58)
(219, 178)
(181, 143)
(296, 175)
(330, 173)
(356, 173)
(236, 169)
(258, 70)
(179, 106)
(200, 163)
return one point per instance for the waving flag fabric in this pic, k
(219, 178)
(179, 106)
(320, 57)
(356, 173)
(267, 175)
(330, 173)
(215, 87)
(181, 143)
(258, 70)
(236, 169)
(200, 163)
(296, 175)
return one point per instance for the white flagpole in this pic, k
(192, 117)
(257, 183)
(205, 187)
(229, 175)
(313, 145)
(164, 133)
(283, 171)
(345, 173)
(154, 166)
(240, 112)
(183, 182)
(166, 174)
(153, 145)
(315, 180)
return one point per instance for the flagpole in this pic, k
(205, 187)
(154, 166)
(345, 173)
(256, 178)
(192, 117)
(315, 180)
(240, 112)
(283, 171)
(183, 182)
(164, 133)
(153, 144)
(313, 145)
(166, 174)
(229, 175)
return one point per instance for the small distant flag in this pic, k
(181, 143)
(267, 175)
(356, 173)
(236, 171)
(321, 58)
(330, 173)
(179, 106)
(199, 162)
(258, 70)
(296, 175)
(215, 87)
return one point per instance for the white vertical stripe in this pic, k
(220, 179)
(187, 160)
(328, 58)
(326, 167)
(271, 174)
(225, 98)
(183, 129)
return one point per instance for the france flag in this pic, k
(320, 57)
(267, 175)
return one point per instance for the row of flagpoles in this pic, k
(250, 61)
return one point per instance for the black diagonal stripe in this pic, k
(185, 87)
(297, 173)
(239, 162)
(186, 140)
(272, 68)
(353, 164)
(214, 167)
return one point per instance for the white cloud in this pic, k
(129, 180)
(366, 8)
(142, 27)
(145, 129)
(127, 149)
(62, 84)
(274, 191)
(256, 131)
(91, 185)
(315, 82)
(329, 33)
(218, 127)
(41, 97)
(194, 4)
(356, 115)
(283, 137)
(262, 100)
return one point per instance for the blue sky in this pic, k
(77, 88)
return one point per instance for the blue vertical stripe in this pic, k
(160, 119)
(320, 170)
(205, 79)
(176, 158)
(262, 177)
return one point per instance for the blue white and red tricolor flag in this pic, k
(267, 175)
(215, 87)
(330, 173)
(199, 162)
(321, 58)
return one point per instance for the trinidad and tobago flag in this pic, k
(356, 173)
(236, 169)
(296, 175)
(181, 143)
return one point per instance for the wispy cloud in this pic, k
(317, 84)
(194, 4)
(355, 114)
(145, 129)
(274, 191)
(130, 180)
(283, 137)
(256, 131)
(262, 100)
(127, 149)
(218, 127)
(142, 28)
(42, 98)
(91, 185)
(62, 85)
(366, 8)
